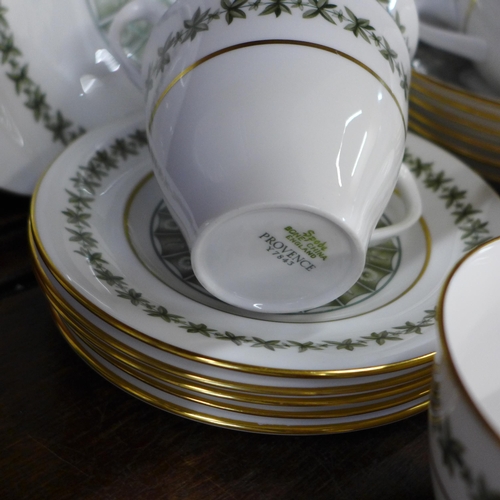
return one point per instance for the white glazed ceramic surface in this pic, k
(79, 213)
(465, 407)
(267, 124)
(190, 408)
(465, 455)
(57, 79)
(310, 407)
(447, 107)
(403, 13)
(345, 383)
(470, 30)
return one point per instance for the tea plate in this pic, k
(257, 405)
(153, 355)
(84, 217)
(144, 391)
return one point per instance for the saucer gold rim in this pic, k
(358, 392)
(363, 398)
(346, 373)
(450, 145)
(429, 80)
(152, 371)
(435, 109)
(445, 347)
(455, 134)
(233, 423)
(258, 410)
(161, 374)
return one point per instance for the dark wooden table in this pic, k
(67, 433)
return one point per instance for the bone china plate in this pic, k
(102, 230)
(116, 341)
(223, 418)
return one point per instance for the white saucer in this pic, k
(144, 350)
(285, 414)
(97, 183)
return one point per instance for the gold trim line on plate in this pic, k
(151, 368)
(158, 373)
(235, 424)
(464, 138)
(404, 383)
(255, 43)
(342, 373)
(391, 383)
(147, 177)
(256, 410)
(450, 90)
(444, 113)
(450, 145)
(445, 100)
(444, 344)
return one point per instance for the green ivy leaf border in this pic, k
(234, 10)
(79, 211)
(17, 71)
(62, 129)
(453, 451)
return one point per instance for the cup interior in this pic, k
(470, 330)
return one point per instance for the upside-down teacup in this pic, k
(277, 131)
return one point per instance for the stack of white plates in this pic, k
(117, 274)
(453, 107)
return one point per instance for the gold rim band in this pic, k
(417, 379)
(167, 373)
(459, 136)
(259, 410)
(450, 90)
(233, 423)
(444, 344)
(239, 46)
(342, 373)
(442, 113)
(448, 144)
(147, 177)
(164, 372)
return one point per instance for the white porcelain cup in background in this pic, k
(277, 134)
(58, 78)
(464, 415)
(467, 28)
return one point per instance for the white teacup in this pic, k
(464, 416)
(58, 78)
(278, 135)
(466, 28)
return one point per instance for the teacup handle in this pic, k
(460, 44)
(410, 194)
(149, 10)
